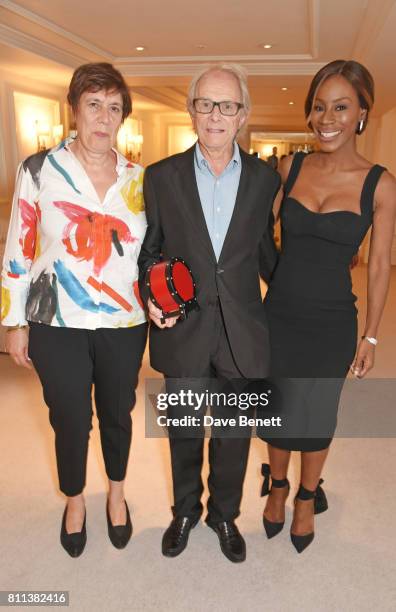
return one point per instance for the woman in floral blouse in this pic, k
(69, 291)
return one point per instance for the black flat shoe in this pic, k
(119, 534)
(232, 543)
(175, 538)
(73, 543)
(272, 528)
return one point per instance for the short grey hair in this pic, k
(235, 69)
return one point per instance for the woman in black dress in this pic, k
(328, 202)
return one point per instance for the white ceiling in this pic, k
(46, 40)
(176, 28)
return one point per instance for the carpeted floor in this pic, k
(349, 567)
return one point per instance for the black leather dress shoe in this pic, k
(73, 543)
(232, 543)
(175, 538)
(119, 534)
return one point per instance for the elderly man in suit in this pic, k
(211, 205)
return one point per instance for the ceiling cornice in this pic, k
(187, 69)
(53, 27)
(20, 40)
(162, 96)
(212, 58)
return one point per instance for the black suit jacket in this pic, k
(177, 228)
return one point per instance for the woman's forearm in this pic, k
(377, 291)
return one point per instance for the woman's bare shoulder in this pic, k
(284, 167)
(386, 188)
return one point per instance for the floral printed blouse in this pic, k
(71, 260)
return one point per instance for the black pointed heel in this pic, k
(300, 542)
(272, 528)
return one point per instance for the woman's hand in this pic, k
(17, 342)
(354, 261)
(364, 359)
(155, 315)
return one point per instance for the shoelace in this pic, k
(178, 527)
(229, 529)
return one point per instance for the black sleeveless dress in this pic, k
(312, 316)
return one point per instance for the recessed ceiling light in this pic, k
(139, 48)
(267, 46)
(291, 103)
(284, 88)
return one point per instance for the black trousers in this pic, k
(228, 454)
(69, 362)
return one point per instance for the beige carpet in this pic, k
(350, 565)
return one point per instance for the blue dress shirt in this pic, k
(217, 195)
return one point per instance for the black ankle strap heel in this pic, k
(319, 496)
(277, 484)
(272, 528)
(304, 493)
(320, 503)
(301, 542)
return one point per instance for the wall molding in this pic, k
(313, 18)
(375, 16)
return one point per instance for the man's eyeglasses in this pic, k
(226, 107)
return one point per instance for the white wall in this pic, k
(9, 155)
(378, 144)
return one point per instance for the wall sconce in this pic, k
(43, 134)
(133, 149)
